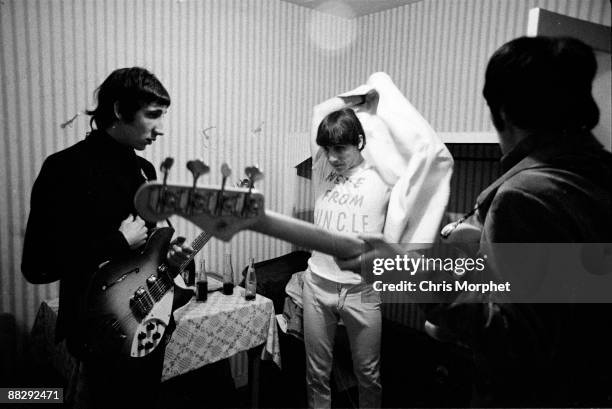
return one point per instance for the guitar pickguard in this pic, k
(129, 302)
(150, 331)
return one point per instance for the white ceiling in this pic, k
(351, 8)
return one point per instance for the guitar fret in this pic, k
(151, 289)
(197, 245)
(241, 209)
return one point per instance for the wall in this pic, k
(238, 66)
(436, 51)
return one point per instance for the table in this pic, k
(222, 326)
(205, 332)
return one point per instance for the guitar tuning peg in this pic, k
(254, 174)
(166, 164)
(226, 171)
(197, 168)
(165, 167)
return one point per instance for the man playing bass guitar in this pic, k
(82, 214)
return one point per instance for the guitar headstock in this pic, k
(222, 212)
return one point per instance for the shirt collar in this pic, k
(526, 146)
(105, 143)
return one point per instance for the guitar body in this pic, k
(464, 236)
(129, 302)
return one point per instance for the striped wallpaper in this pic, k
(243, 75)
(437, 50)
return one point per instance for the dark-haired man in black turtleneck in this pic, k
(82, 214)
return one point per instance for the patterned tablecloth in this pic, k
(206, 332)
(222, 326)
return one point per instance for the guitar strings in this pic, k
(160, 287)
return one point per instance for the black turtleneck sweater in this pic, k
(78, 202)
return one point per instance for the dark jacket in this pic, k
(78, 202)
(556, 190)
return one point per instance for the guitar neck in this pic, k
(224, 213)
(308, 235)
(197, 244)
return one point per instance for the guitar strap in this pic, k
(534, 160)
(485, 198)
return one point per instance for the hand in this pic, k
(380, 246)
(370, 100)
(376, 247)
(134, 230)
(178, 253)
(464, 236)
(353, 100)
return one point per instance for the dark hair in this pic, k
(132, 88)
(340, 128)
(543, 83)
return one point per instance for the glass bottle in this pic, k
(189, 277)
(202, 282)
(228, 275)
(250, 283)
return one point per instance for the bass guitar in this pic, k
(129, 302)
(226, 211)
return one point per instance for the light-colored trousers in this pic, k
(325, 302)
